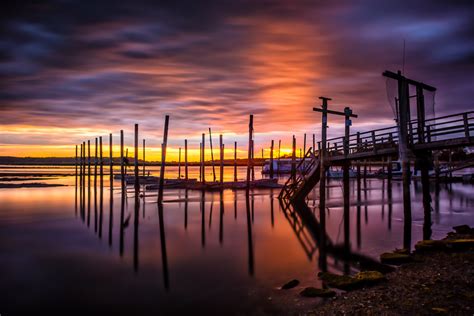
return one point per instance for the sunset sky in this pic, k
(74, 70)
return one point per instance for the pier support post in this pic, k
(179, 163)
(203, 158)
(144, 158)
(235, 161)
(212, 156)
(163, 159)
(137, 176)
(122, 167)
(250, 154)
(271, 160)
(221, 169)
(186, 159)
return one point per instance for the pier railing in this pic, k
(436, 131)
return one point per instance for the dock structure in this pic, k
(410, 140)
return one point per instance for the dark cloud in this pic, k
(107, 63)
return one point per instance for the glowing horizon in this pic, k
(67, 78)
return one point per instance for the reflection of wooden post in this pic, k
(235, 161)
(186, 159)
(249, 154)
(221, 171)
(212, 156)
(271, 161)
(163, 159)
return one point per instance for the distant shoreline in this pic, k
(68, 161)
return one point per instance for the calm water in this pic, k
(216, 253)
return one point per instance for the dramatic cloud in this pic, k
(70, 70)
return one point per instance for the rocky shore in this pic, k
(436, 278)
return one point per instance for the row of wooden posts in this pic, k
(83, 157)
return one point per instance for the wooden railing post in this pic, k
(466, 125)
(358, 141)
(373, 141)
(428, 133)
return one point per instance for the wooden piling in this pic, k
(249, 156)
(221, 171)
(212, 156)
(75, 164)
(122, 166)
(314, 144)
(137, 175)
(95, 161)
(279, 156)
(200, 162)
(203, 158)
(304, 144)
(235, 161)
(271, 160)
(179, 163)
(144, 157)
(101, 159)
(163, 160)
(293, 158)
(111, 163)
(186, 159)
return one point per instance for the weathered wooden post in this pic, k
(212, 156)
(293, 159)
(279, 156)
(314, 144)
(144, 163)
(253, 159)
(186, 159)
(88, 182)
(221, 171)
(179, 163)
(122, 162)
(111, 163)
(403, 120)
(322, 179)
(163, 160)
(200, 162)
(101, 186)
(235, 161)
(95, 161)
(249, 156)
(271, 160)
(84, 172)
(304, 144)
(347, 115)
(75, 164)
(137, 175)
(203, 158)
(101, 159)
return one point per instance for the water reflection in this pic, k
(266, 247)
